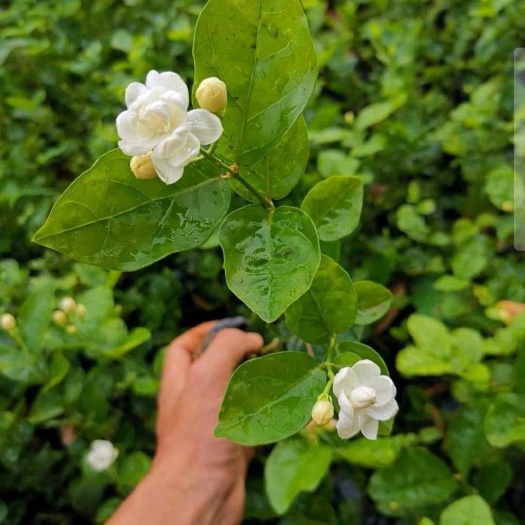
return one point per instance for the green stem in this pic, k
(233, 174)
(112, 278)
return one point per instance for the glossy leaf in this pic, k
(505, 420)
(270, 259)
(262, 50)
(328, 307)
(335, 206)
(467, 511)
(417, 478)
(363, 352)
(270, 398)
(294, 466)
(277, 173)
(373, 301)
(109, 218)
(18, 365)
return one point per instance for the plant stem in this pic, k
(234, 174)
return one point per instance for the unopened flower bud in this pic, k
(59, 318)
(142, 166)
(68, 305)
(212, 95)
(8, 322)
(323, 411)
(101, 454)
(71, 329)
(81, 310)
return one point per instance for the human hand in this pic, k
(195, 478)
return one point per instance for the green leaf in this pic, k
(262, 50)
(465, 441)
(328, 307)
(363, 351)
(505, 421)
(270, 398)
(373, 301)
(136, 337)
(294, 466)
(335, 206)
(132, 469)
(417, 478)
(277, 173)
(270, 259)
(58, 368)
(35, 314)
(492, 479)
(377, 112)
(109, 218)
(19, 365)
(466, 511)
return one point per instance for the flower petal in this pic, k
(384, 412)
(346, 426)
(384, 387)
(366, 369)
(179, 148)
(345, 380)
(368, 425)
(166, 172)
(132, 148)
(169, 81)
(345, 405)
(133, 91)
(206, 126)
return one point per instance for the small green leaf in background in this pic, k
(270, 259)
(270, 77)
(277, 173)
(492, 479)
(363, 352)
(328, 307)
(19, 365)
(373, 301)
(270, 398)
(377, 112)
(500, 186)
(417, 478)
(294, 466)
(469, 510)
(335, 206)
(109, 218)
(132, 468)
(505, 420)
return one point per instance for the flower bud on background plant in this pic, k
(68, 305)
(59, 317)
(101, 454)
(365, 398)
(81, 310)
(8, 322)
(212, 95)
(142, 166)
(323, 410)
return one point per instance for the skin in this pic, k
(195, 478)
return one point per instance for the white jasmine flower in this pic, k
(158, 121)
(101, 454)
(365, 397)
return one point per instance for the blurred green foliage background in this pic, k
(415, 97)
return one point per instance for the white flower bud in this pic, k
(142, 166)
(81, 310)
(212, 95)
(8, 322)
(59, 318)
(68, 305)
(101, 454)
(323, 411)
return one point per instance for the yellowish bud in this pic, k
(323, 412)
(71, 329)
(67, 304)
(81, 310)
(212, 95)
(8, 322)
(59, 318)
(508, 206)
(142, 166)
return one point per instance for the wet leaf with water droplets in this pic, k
(270, 259)
(109, 218)
(270, 398)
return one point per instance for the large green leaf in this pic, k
(294, 466)
(335, 206)
(373, 301)
(270, 259)
(328, 307)
(467, 511)
(109, 218)
(270, 398)
(263, 51)
(276, 174)
(416, 479)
